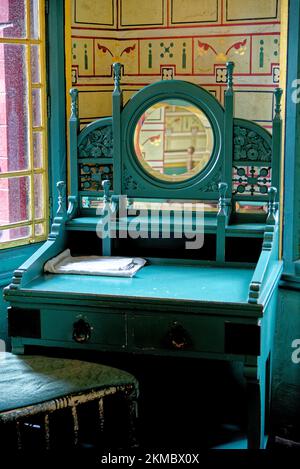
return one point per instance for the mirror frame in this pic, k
(142, 182)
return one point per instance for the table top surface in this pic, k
(156, 281)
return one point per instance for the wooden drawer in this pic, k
(177, 332)
(86, 327)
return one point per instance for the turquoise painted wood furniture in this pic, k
(172, 141)
(41, 387)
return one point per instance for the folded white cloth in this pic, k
(64, 263)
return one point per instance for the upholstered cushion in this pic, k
(28, 380)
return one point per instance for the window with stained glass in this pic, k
(23, 119)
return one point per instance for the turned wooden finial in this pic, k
(117, 75)
(222, 186)
(230, 67)
(61, 186)
(106, 188)
(278, 93)
(272, 204)
(74, 102)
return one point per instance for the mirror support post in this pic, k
(117, 104)
(228, 129)
(276, 140)
(73, 134)
(222, 220)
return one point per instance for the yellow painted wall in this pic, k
(183, 39)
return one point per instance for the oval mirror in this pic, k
(173, 140)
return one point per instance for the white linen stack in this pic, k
(114, 266)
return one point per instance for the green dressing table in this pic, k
(172, 141)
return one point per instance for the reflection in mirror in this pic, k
(173, 140)
(172, 204)
(93, 202)
(251, 207)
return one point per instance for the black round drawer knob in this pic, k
(178, 337)
(81, 331)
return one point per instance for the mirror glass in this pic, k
(173, 140)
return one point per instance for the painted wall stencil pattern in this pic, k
(177, 39)
(109, 51)
(265, 53)
(210, 52)
(83, 56)
(159, 53)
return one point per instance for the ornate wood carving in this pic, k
(129, 182)
(91, 176)
(250, 146)
(251, 180)
(97, 144)
(213, 185)
(72, 206)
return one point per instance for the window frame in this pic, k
(28, 41)
(12, 257)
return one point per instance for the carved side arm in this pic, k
(269, 254)
(56, 243)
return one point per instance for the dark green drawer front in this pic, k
(177, 332)
(106, 328)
